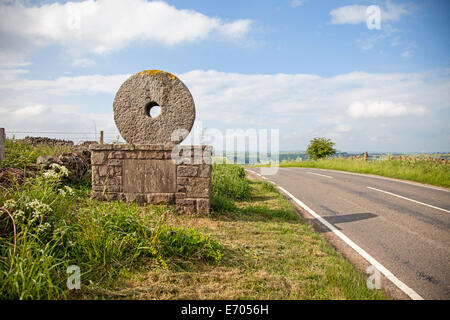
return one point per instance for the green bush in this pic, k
(229, 184)
(319, 148)
(269, 187)
(229, 180)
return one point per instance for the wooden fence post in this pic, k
(2, 144)
(101, 137)
(365, 156)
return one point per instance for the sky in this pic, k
(309, 68)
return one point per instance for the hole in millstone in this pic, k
(152, 109)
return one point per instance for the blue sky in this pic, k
(309, 68)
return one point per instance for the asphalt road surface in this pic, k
(404, 226)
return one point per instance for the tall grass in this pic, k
(414, 169)
(19, 154)
(54, 231)
(229, 184)
(45, 226)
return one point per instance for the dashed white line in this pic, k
(405, 198)
(318, 174)
(417, 184)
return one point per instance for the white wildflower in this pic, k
(36, 215)
(43, 227)
(56, 172)
(9, 204)
(50, 174)
(69, 190)
(62, 170)
(39, 208)
(18, 214)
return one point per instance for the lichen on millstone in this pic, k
(151, 88)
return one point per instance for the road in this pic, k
(404, 226)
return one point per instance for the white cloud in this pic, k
(62, 85)
(343, 128)
(383, 108)
(346, 107)
(12, 60)
(389, 14)
(101, 26)
(83, 63)
(394, 12)
(69, 119)
(408, 53)
(355, 14)
(352, 14)
(297, 3)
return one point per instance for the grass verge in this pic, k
(415, 169)
(253, 246)
(269, 253)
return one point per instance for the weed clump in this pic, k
(229, 184)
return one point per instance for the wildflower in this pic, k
(18, 214)
(56, 172)
(43, 227)
(36, 215)
(9, 204)
(69, 190)
(50, 174)
(39, 209)
(61, 169)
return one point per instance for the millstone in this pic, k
(144, 91)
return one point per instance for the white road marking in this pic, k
(405, 198)
(389, 275)
(417, 184)
(318, 174)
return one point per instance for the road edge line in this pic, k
(388, 274)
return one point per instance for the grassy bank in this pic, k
(20, 154)
(429, 171)
(47, 225)
(269, 253)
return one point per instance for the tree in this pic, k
(320, 148)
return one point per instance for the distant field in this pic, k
(289, 156)
(415, 168)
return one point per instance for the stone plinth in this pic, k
(149, 174)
